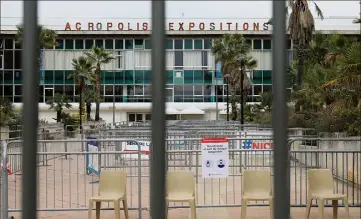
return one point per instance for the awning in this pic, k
(171, 111)
(192, 110)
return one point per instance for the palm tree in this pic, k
(59, 102)
(83, 68)
(98, 56)
(7, 112)
(89, 98)
(228, 50)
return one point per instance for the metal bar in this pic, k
(279, 113)
(4, 181)
(157, 179)
(30, 107)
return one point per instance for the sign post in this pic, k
(215, 157)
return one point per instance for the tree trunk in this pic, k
(301, 61)
(233, 104)
(97, 106)
(88, 111)
(58, 116)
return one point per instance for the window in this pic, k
(17, 59)
(129, 77)
(169, 77)
(67, 79)
(267, 44)
(119, 61)
(267, 77)
(204, 59)
(79, 44)
(198, 44)
(128, 44)
(58, 77)
(188, 77)
(257, 44)
(198, 90)
(18, 91)
(69, 44)
(138, 90)
(170, 44)
(59, 44)
(9, 44)
(49, 77)
(198, 77)
(108, 90)
(139, 44)
(17, 77)
(89, 44)
(188, 44)
(119, 44)
(8, 59)
(289, 44)
(188, 90)
(257, 77)
(207, 43)
(178, 59)
(178, 44)
(99, 43)
(148, 44)
(109, 44)
(207, 77)
(138, 77)
(147, 76)
(1, 61)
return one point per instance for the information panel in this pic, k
(215, 157)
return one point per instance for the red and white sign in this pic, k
(134, 146)
(215, 157)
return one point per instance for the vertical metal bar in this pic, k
(30, 64)
(279, 113)
(4, 182)
(157, 179)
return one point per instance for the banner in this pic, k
(215, 157)
(134, 146)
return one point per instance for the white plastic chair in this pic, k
(257, 186)
(112, 188)
(320, 187)
(181, 187)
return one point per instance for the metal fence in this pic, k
(65, 184)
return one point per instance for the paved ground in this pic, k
(217, 213)
(63, 184)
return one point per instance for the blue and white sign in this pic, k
(92, 160)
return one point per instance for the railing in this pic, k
(65, 184)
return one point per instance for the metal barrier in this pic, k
(66, 185)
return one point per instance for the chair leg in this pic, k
(166, 208)
(308, 208)
(193, 208)
(321, 205)
(97, 209)
(345, 201)
(117, 209)
(271, 207)
(125, 205)
(244, 209)
(334, 208)
(90, 209)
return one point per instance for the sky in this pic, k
(57, 13)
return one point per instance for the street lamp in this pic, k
(241, 61)
(81, 77)
(227, 76)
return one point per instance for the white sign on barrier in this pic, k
(215, 157)
(133, 146)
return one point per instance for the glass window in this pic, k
(109, 44)
(17, 77)
(79, 44)
(8, 59)
(49, 77)
(108, 90)
(67, 79)
(257, 44)
(59, 44)
(207, 90)
(169, 77)
(118, 90)
(188, 44)
(107, 77)
(17, 59)
(69, 44)
(139, 76)
(178, 58)
(267, 88)
(129, 77)
(188, 90)
(178, 44)
(138, 90)
(131, 117)
(267, 44)
(8, 90)
(69, 91)
(99, 43)
(129, 44)
(289, 44)
(178, 90)
(207, 43)
(138, 44)
(198, 44)
(198, 77)
(207, 77)
(188, 77)
(119, 77)
(147, 76)
(267, 77)
(257, 89)
(198, 90)
(59, 89)
(169, 44)
(119, 44)
(257, 77)
(9, 44)
(8, 77)
(18, 90)
(147, 90)
(204, 58)
(148, 44)
(89, 44)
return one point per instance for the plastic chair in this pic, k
(257, 186)
(112, 188)
(320, 187)
(181, 187)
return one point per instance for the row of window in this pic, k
(129, 44)
(132, 77)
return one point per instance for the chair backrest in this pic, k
(319, 181)
(180, 182)
(257, 181)
(112, 181)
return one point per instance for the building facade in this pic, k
(193, 77)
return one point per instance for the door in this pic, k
(48, 94)
(169, 95)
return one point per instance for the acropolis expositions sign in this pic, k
(170, 26)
